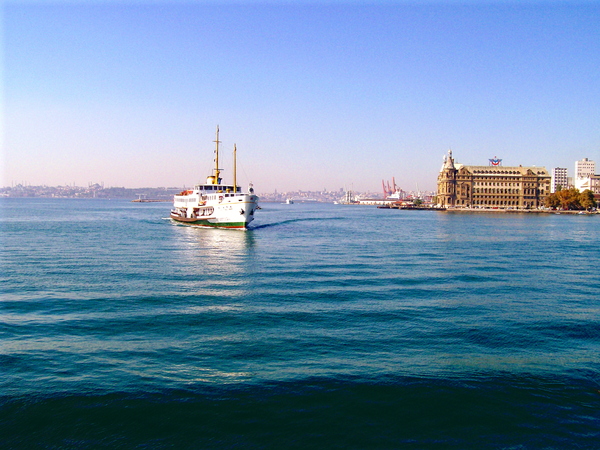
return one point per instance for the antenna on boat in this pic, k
(234, 169)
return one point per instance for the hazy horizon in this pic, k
(321, 93)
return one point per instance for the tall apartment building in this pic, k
(584, 170)
(493, 186)
(559, 178)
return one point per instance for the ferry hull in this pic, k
(235, 211)
(209, 223)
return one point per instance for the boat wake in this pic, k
(286, 222)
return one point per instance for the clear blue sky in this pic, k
(321, 94)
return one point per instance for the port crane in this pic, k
(396, 192)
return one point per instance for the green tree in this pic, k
(552, 201)
(586, 199)
(569, 199)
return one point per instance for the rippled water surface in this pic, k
(324, 326)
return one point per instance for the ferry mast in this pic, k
(214, 179)
(234, 168)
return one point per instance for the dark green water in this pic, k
(325, 326)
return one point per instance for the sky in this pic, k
(315, 94)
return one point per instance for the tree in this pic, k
(586, 199)
(552, 201)
(569, 199)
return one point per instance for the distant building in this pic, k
(559, 179)
(584, 168)
(595, 184)
(493, 186)
(584, 172)
(591, 182)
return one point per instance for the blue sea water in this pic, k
(324, 326)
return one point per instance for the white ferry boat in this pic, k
(214, 204)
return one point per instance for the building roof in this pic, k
(503, 170)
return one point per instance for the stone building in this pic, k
(493, 186)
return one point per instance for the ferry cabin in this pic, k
(216, 188)
(208, 192)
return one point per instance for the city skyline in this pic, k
(325, 94)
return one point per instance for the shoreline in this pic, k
(519, 211)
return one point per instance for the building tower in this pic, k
(446, 192)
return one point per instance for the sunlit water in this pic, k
(324, 326)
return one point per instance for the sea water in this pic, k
(323, 326)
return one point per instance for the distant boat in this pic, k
(215, 205)
(348, 199)
(398, 195)
(289, 201)
(142, 199)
